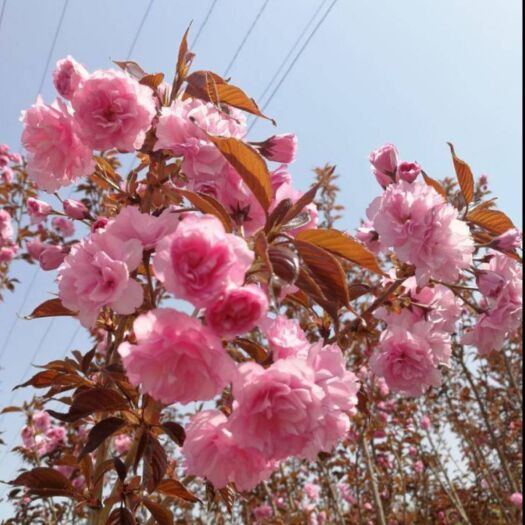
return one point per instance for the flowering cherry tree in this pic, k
(248, 357)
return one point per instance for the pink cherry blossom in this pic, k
(176, 358)
(517, 499)
(211, 451)
(8, 253)
(122, 443)
(64, 226)
(35, 247)
(408, 171)
(67, 76)
(369, 237)
(130, 223)
(112, 110)
(262, 512)
(423, 230)
(510, 240)
(279, 148)
(277, 409)
(75, 209)
(38, 210)
(425, 423)
(285, 338)
(6, 175)
(6, 228)
(340, 389)
(51, 257)
(200, 260)
(97, 273)
(312, 490)
(406, 362)
(384, 164)
(41, 420)
(237, 311)
(56, 155)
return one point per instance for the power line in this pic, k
(294, 61)
(2, 11)
(53, 44)
(204, 22)
(139, 29)
(246, 36)
(292, 49)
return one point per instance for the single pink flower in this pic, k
(200, 260)
(408, 171)
(237, 311)
(510, 240)
(405, 361)
(130, 223)
(41, 420)
(6, 227)
(57, 156)
(211, 451)
(423, 230)
(176, 358)
(51, 257)
(384, 163)
(285, 338)
(277, 409)
(67, 76)
(112, 110)
(97, 273)
(64, 226)
(38, 210)
(75, 209)
(517, 499)
(122, 443)
(279, 148)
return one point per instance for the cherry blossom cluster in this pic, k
(500, 281)
(414, 221)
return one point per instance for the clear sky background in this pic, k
(417, 73)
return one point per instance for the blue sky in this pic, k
(412, 72)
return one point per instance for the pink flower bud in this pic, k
(6, 176)
(35, 247)
(419, 466)
(280, 148)
(483, 180)
(64, 226)
(510, 240)
(51, 257)
(7, 253)
(37, 210)
(16, 158)
(425, 423)
(99, 224)
(517, 499)
(408, 171)
(384, 164)
(67, 76)
(75, 209)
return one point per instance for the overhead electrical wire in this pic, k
(246, 36)
(295, 60)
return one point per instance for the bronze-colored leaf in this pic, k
(212, 88)
(208, 204)
(155, 463)
(175, 431)
(464, 175)
(174, 488)
(494, 221)
(121, 516)
(10, 409)
(342, 245)
(153, 81)
(102, 430)
(326, 270)
(92, 400)
(43, 478)
(50, 308)
(249, 164)
(162, 515)
(435, 184)
(278, 215)
(184, 59)
(253, 349)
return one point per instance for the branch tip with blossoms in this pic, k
(299, 331)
